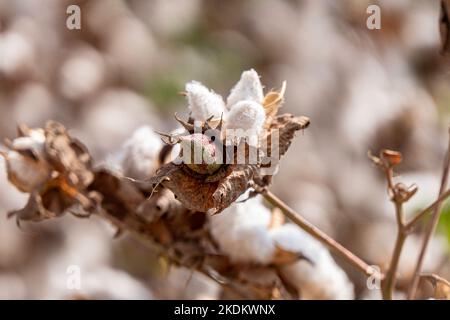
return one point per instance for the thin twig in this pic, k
(398, 194)
(410, 226)
(431, 227)
(318, 234)
(388, 284)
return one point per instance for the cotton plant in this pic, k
(208, 215)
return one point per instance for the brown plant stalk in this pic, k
(431, 227)
(318, 234)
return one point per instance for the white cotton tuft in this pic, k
(139, 154)
(203, 103)
(35, 141)
(321, 278)
(27, 172)
(246, 115)
(248, 88)
(242, 232)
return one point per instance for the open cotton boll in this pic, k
(242, 232)
(203, 103)
(321, 278)
(140, 153)
(247, 115)
(248, 88)
(27, 172)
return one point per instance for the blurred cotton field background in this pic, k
(362, 89)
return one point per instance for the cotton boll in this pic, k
(248, 88)
(26, 172)
(247, 115)
(140, 154)
(203, 103)
(35, 141)
(242, 232)
(319, 278)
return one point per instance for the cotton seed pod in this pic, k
(200, 153)
(249, 87)
(203, 103)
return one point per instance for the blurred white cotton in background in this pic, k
(12, 287)
(33, 104)
(82, 73)
(112, 117)
(16, 53)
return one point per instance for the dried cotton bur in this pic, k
(215, 180)
(53, 167)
